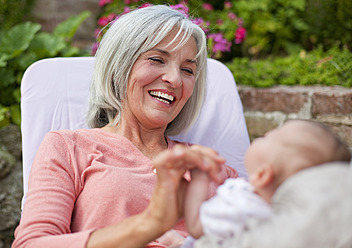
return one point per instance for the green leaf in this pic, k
(16, 114)
(68, 28)
(3, 111)
(4, 116)
(7, 77)
(298, 4)
(47, 45)
(70, 51)
(17, 95)
(26, 59)
(18, 39)
(3, 59)
(299, 24)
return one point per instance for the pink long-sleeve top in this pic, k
(83, 180)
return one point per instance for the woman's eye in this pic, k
(188, 71)
(156, 60)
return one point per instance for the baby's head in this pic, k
(296, 145)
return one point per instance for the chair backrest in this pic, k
(55, 95)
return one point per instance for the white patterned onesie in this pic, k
(227, 213)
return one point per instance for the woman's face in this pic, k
(160, 83)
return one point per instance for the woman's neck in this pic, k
(149, 141)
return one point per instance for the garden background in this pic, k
(290, 59)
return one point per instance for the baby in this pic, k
(270, 160)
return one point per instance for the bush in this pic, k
(306, 68)
(224, 29)
(330, 23)
(272, 26)
(21, 46)
(14, 12)
(277, 27)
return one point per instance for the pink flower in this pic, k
(227, 5)
(105, 20)
(232, 16)
(220, 44)
(240, 22)
(94, 48)
(181, 8)
(103, 2)
(201, 24)
(240, 35)
(97, 32)
(198, 21)
(208, 6)
(144, 5)
(127, 1)
(126, 10)
(219, 22)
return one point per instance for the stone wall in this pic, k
(10, 183)
(268, 108)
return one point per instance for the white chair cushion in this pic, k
(55, 95)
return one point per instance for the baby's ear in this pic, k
(263, 177)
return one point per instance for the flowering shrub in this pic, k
(316, 67)
(223, 28)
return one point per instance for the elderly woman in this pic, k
(121, 183)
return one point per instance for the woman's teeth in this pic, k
(163, 97)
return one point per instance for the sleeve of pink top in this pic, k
(53, 184)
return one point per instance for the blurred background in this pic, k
(290, 59)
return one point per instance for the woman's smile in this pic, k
(165, 97)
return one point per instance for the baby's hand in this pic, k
(197, 193)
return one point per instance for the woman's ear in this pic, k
(263, 177)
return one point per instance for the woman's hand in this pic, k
(166, 205)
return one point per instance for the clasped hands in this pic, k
(167, 203)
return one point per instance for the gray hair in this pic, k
(128, 37)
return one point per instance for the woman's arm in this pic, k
(47, 215)
(53, 187)
(166, 205)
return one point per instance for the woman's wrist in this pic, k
(135, 231)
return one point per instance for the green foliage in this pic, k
(313, 68)
(68, 28)
(277, 27)
(272, 25)
(224, 29)
(22, 45)
(13, 12)
(330, 23)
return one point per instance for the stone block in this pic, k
(258, 126)
(342, 131)
(332, 100)
(283, 99)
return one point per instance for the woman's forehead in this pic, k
(169, 46)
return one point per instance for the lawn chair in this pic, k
(55, 95)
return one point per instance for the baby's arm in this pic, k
(197, 193)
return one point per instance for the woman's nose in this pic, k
(173, 77)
